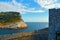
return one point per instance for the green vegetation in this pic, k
(9, 17)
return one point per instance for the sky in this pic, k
(30, 10)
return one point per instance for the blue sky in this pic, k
(31, 10)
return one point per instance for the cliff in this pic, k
(11, 20)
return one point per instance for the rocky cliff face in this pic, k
(11, 20)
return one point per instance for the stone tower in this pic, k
(54, 24)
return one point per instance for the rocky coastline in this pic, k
(33, 35)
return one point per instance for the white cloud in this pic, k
(15, 6)
(48, 4)
(35, 11)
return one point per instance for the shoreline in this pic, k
(26, 35)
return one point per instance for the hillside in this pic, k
(11, 20)
(9, 17)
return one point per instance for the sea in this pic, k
(31, 27)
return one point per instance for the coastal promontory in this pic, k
(11, 20)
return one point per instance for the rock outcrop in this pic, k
(11, 20)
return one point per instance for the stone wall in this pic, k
(54, 23)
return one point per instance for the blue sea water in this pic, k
(31, 26)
